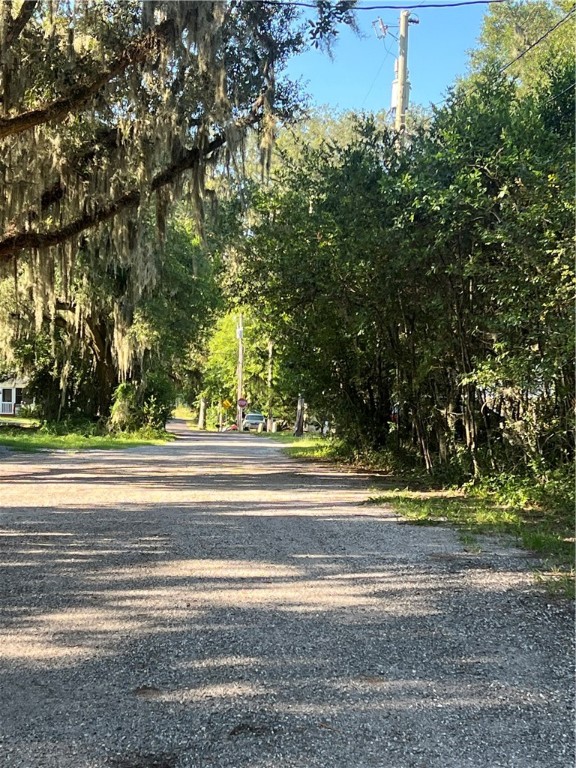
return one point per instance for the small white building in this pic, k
(12, 392)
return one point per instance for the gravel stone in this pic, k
(212, 604)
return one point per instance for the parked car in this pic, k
(253, 421)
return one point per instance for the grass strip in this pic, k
(549, 534)
(311, 447)
(545, 527)
(32, 440)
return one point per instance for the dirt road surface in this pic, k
(210, 603)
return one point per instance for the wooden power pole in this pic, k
(401, 85)
(402, 75)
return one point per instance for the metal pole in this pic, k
(402, 92)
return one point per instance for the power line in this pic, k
(297, 4)
(377, 75)
(557, 95)
(503, 69)
(540, 39)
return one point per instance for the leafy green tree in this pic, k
(510, 29)
(264, 382)
(422, 293)
(71, 353)
(312, 254)
(110, 111)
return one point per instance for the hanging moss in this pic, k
(198, 67)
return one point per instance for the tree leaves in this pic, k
(430, 282)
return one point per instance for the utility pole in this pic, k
(270, 378)
(401, 87)
(240, 371)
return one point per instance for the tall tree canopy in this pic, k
(510, 35)
(108, 112)
(425, 292)
(105, 104)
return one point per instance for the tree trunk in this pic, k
(107, 383)
(420, 431)
(105, 369)
(202, 414)
(299, 424)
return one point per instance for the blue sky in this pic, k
(362, 70)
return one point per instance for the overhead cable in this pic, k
(398, 7)
(540, 39)
(473, 86)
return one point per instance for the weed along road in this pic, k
(211, 603)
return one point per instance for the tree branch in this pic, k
(135, 53)
(13, 244)
(15, 28)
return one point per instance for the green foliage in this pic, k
(110, 113)
(145, 405)
(157, 396)
(124, 414)
(182, 411)
(553, 492)
(59, 373)
(78, 426)
(549, 535)
(74, 438)
(315, 448)
(422, 296)
(511, 28)
(28, 411)
(221, 362)
(68, 358)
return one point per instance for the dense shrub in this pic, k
(72, 425)
(145, 405)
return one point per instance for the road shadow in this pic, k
(271, 620)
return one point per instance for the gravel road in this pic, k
(211, 603)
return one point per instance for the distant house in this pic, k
(12, 392)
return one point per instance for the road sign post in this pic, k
(241, 403)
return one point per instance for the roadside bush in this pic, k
(155, 413)
(124, 411)
(147, 405)
(552, 492)
(396, 460)
(156, 398)
(72, 425)
(29, 411)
